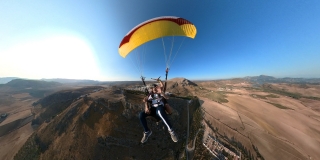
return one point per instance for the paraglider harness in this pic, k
(155, 100)
(161, 100)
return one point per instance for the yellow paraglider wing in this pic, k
(153, 29)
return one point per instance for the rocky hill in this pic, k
(172, 83)
(47, 108)
(105, 125)
(181, 86)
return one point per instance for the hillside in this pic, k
(105, 125)
(269, 79)
(268, 121)
(31, 84)
(4, 80)
(35, 88)
(47, 108)
(16, 99)
(181, 86)
(72, 81)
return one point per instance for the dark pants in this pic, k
(157, 112)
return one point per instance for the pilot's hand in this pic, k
(147, 110)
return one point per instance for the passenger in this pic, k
(156, 110)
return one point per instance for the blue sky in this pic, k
(80, 39)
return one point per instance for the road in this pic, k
(190, 151)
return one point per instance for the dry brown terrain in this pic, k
(20, 108)
(289, 131)
(11, 143)
(304, 89)
(280, 121)
(105, 125)
(16, 101)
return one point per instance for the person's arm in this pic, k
(162, 90)
(161, 85)
(146, 108)
(145, 99)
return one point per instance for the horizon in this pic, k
(44, 79)
(234, 39)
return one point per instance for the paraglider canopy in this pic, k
(160, 27)
(153, 29)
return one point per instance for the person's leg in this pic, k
(147, 132)
(143, 120)
(162, 114)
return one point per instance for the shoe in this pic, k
(174, 137)
(145, 136)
